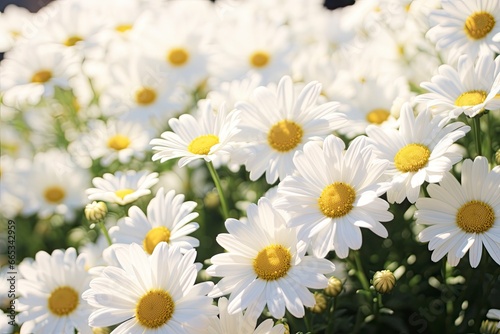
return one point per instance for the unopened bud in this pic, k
(384, 281)
(211, 200)
(497, 157)
(321, 303)
(96, 211)
(334, 287)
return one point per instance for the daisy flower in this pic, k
(168, 219)
(241, 323)
(122, 187)
(265, 263)
(463, 217)
(151, 294)
(16, 22)
(334, 193)
(471, 88)
(494, 314)
(207, 136)
(52, 184)
(419, 151)
(30, 72)
(466, 27)
(277, 124)
(51, 291)
(116, 140)
(246, 45)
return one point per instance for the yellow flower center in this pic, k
(412, 158)
(54, 194)
(63, 301)
(475, 217)
(72, 40)
(154, 237)
(336, 199)
(478, 25)
(203, 144)
(123, 192)
(145, 95)
(472, 98)
(118, 142)
(285, 135)
(41, 76)
(259, 59)
(272, 263)
(123, 27)
(378, 116)
(154, 309)
(178, 56)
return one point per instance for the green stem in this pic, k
(217, 183)
(360, 272)
(105, 232)
(477, 135)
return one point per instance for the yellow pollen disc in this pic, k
(145, 96)
(259, 59)
(412, 158)
(54, 194)
(118, 142)
(178, 56)
(15, 33)
(203, 144)
(272, 263)
(378, 116)
(336, 199)
(478, 25)
(63, 301)
(154, 309)
(123, 192)
(471, 98)
(71, 41)
(41, 76)
(154, 237)
(285, 136)
(123, 27)
(475, 217)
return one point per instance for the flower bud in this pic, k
(321, 303)
(96, 211)
(383, 281)
(334, 287)
(497, 157)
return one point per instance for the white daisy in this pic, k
(115, 140)
(208, 136)
(470, 88)
(466, 27)
(30, 72)
(138, 92)
(334, 194)
(277, 124)
(15, 23)
(247, 45)
(494, 314)
(463, 217)
(53, 184)
(151, 294)
(51, 291)
(419, 151)
(122, 187)
(168, 219)
(265, 263)
(239, 322)
(6, 323)
(178, 37)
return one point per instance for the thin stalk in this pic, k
(477, 135)
(360, 273)
(217, 183)
(105, 232)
